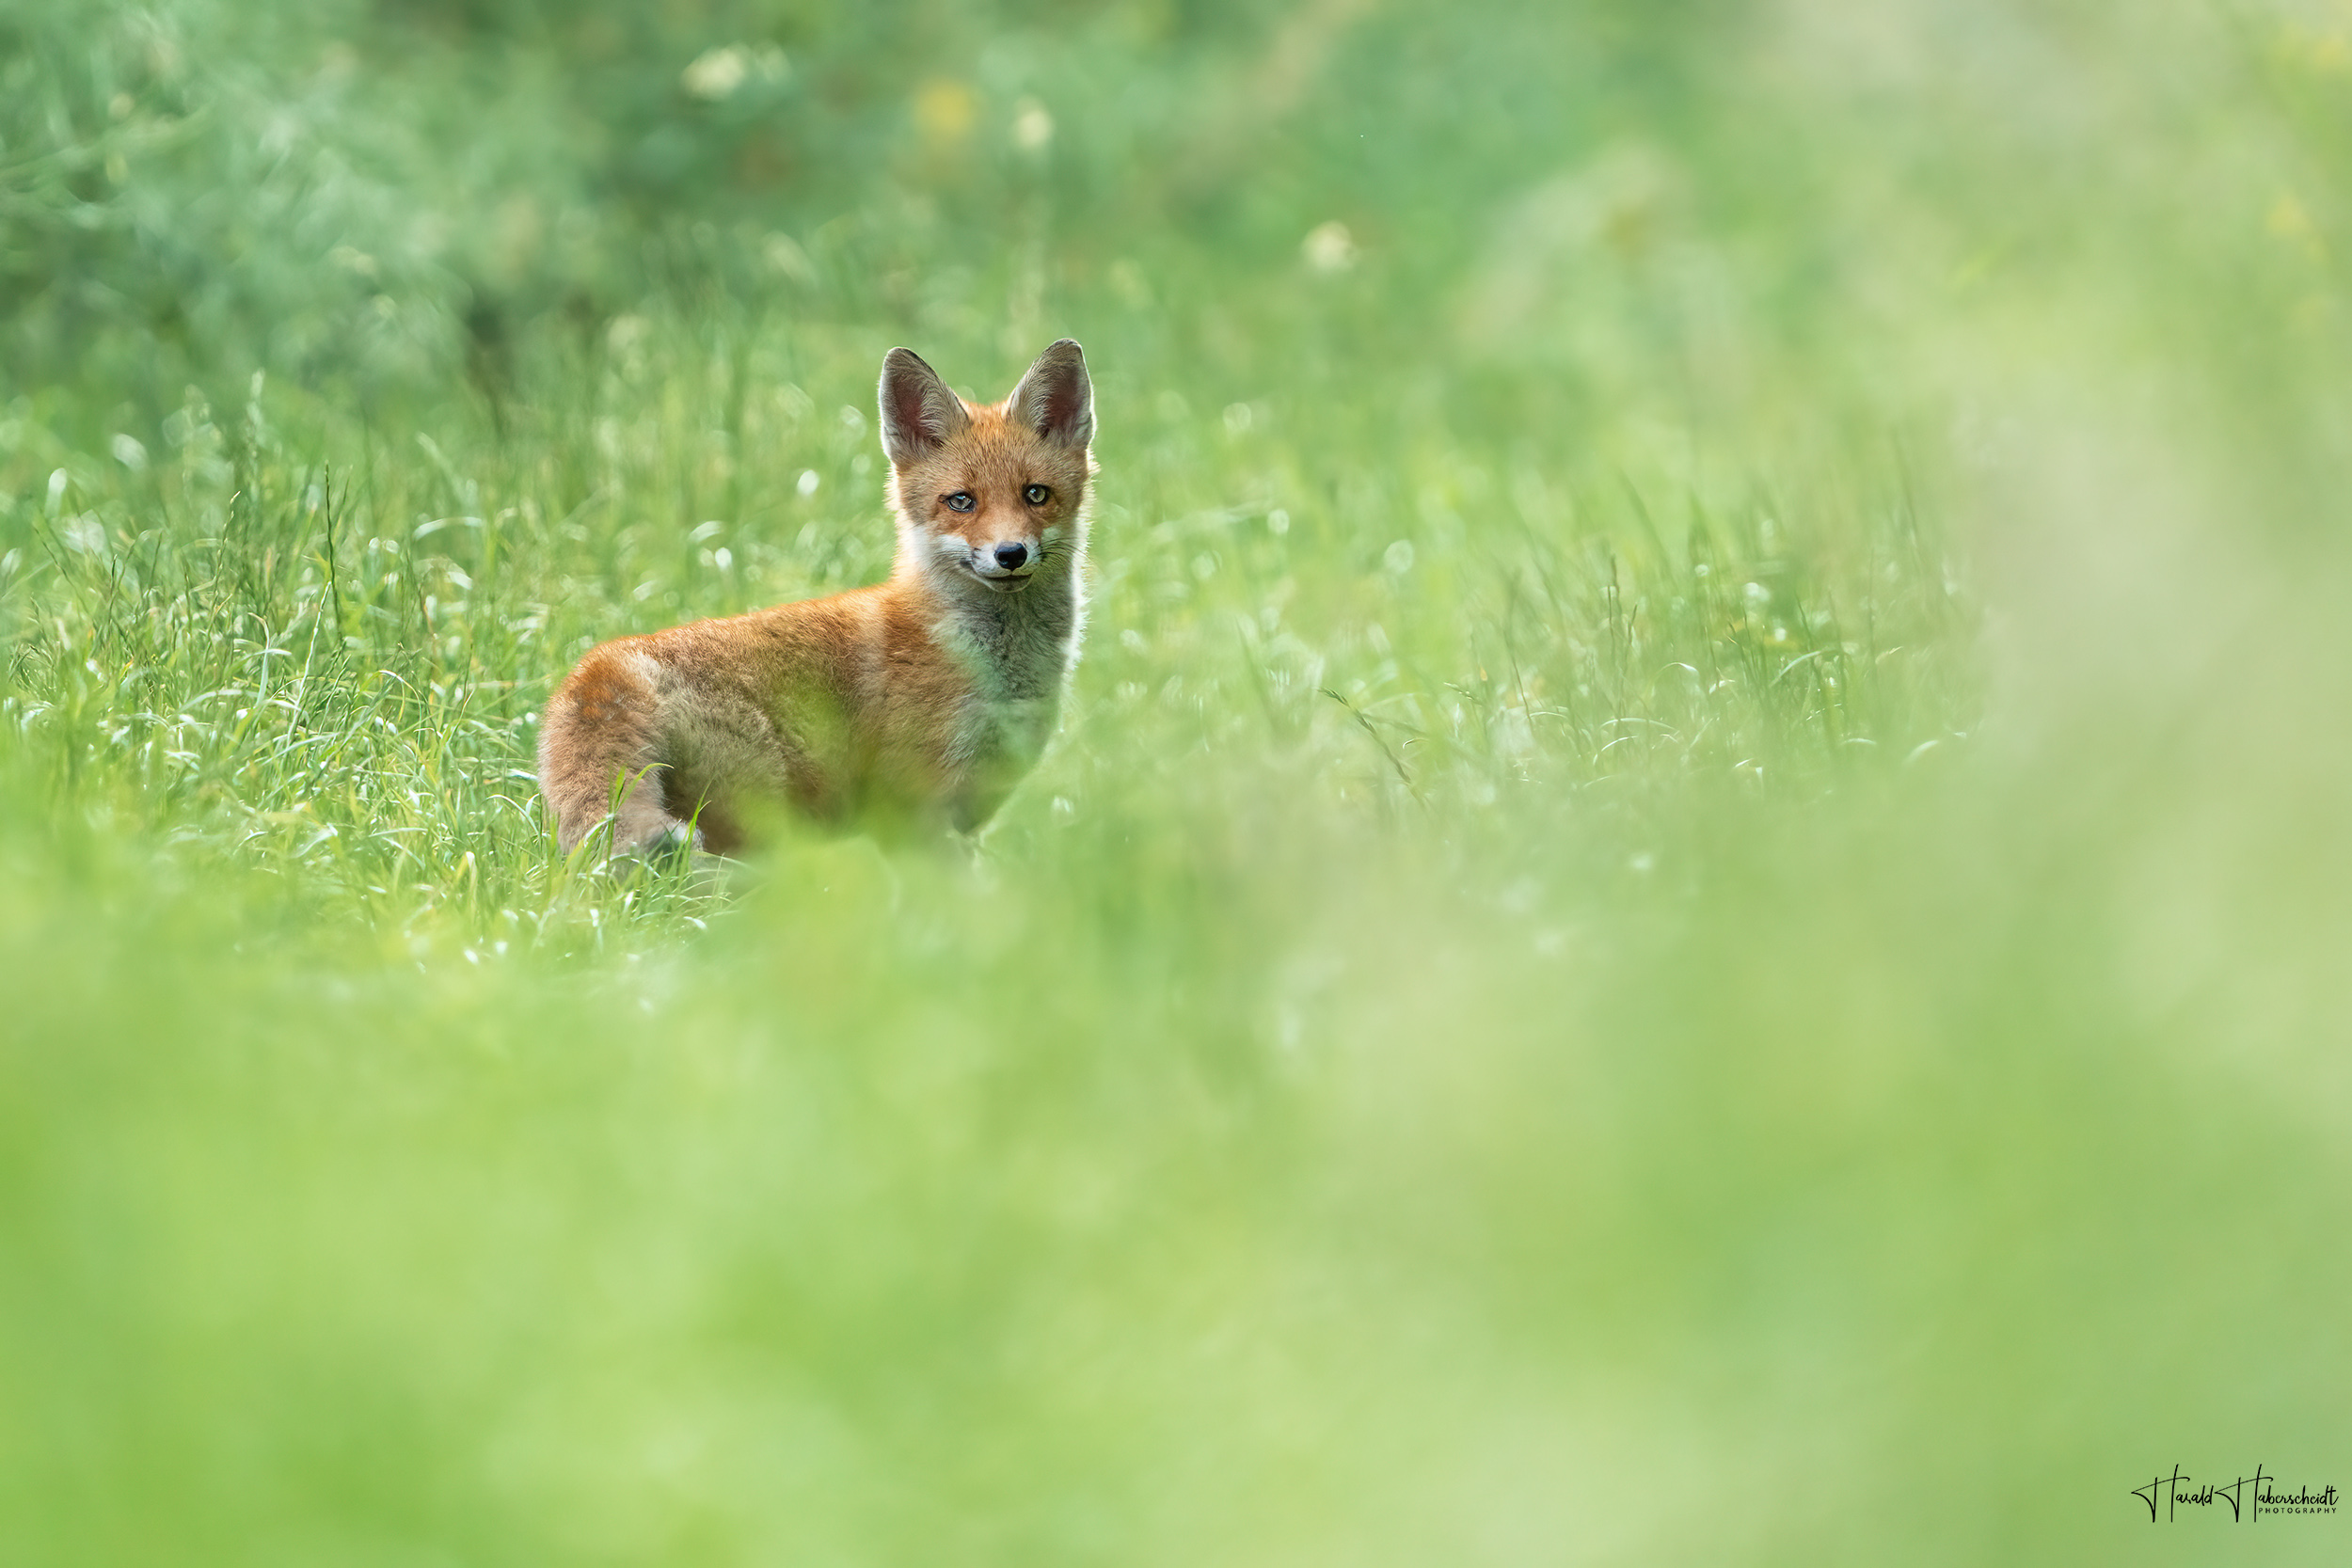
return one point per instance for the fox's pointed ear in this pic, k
(918, 412)
(1056, 399)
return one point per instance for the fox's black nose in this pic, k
(1013, 557)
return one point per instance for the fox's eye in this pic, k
(1037, 495)
(960, 501)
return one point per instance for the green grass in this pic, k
(1687, 911)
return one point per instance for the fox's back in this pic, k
(850, 692)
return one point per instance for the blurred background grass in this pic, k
(1690, 909)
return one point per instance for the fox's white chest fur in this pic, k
(1019, 651)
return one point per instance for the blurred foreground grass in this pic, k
(1689, 912)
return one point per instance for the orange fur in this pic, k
(926, 696)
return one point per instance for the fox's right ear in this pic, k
(1056, 398)
(918, 412)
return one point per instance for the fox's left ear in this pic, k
(1056, 399)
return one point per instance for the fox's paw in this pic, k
(673, 846)
(677, 840)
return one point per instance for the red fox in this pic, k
(923, 697)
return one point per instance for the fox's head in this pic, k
(991, 495)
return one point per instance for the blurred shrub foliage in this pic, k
(372, 197)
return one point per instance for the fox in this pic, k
(922, 699)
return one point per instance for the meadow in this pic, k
(1691, 906)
